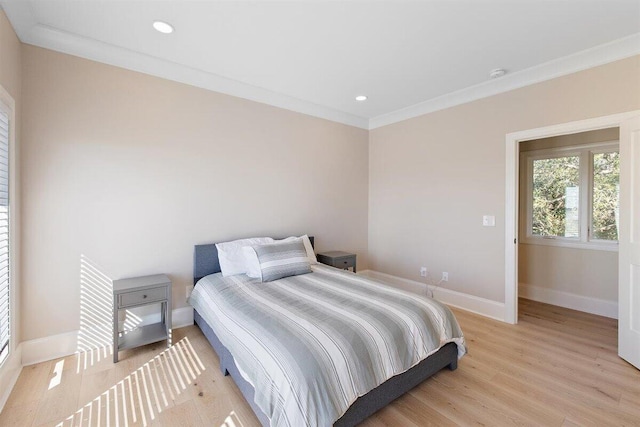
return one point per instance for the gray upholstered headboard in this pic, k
(205, 260)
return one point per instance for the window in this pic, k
(572, 196)
(605, 196)
(5, 328)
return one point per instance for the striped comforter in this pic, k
(312, 344)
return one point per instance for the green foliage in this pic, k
(606, 189)
(556, 184)
(551, 178)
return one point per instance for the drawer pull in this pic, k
(145, 296)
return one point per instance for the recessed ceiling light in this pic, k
(361, 98)
(498, 72)
(163, 27)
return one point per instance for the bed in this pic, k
(382, 392)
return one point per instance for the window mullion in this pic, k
(529, 189)
(585, 195)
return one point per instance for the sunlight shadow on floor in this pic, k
(143, 394)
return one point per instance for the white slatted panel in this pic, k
(4, 235)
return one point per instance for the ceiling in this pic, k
(409, 58)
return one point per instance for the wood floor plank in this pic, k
(19, 415)
(182, 415)
(561, 369)
(552, 395)
(31, 385)
(392, 416)
(60, 397)
(491, 394)
(629, 404)
(556, 367)
(462, 408)
(420, 414)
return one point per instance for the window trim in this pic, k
(584, 239)
(7, 105)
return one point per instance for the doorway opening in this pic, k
(512, 196)
(568, 217)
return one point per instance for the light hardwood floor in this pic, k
(557, 367)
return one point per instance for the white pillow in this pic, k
(310, 254)
(252, 263)
(307, 246)
(232, 258)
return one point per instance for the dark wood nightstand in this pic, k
(338, 259)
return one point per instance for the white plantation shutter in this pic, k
(4, 236)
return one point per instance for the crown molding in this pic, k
(589, 58)
(31, 32)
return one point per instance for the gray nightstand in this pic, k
(338, 259)
(136, 292)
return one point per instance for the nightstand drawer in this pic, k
(142, 297)
(338, 259)
(345, 262)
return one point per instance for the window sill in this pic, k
(592, 246)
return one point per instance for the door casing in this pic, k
(512, 154)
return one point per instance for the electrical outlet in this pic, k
(445, 276)
(423, 271)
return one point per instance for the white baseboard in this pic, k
(65, 344)
(181, 317)
(482, 306)
(568, 300)
(9, 374)
(48, 348)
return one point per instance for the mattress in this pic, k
(310, 345)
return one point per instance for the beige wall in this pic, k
(432, 178)
(10, 70)
(583, 272)
(130, 171)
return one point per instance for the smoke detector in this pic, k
(497, 72)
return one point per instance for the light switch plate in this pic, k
(489, 221)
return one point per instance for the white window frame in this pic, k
(584, 240)
(7, 105)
